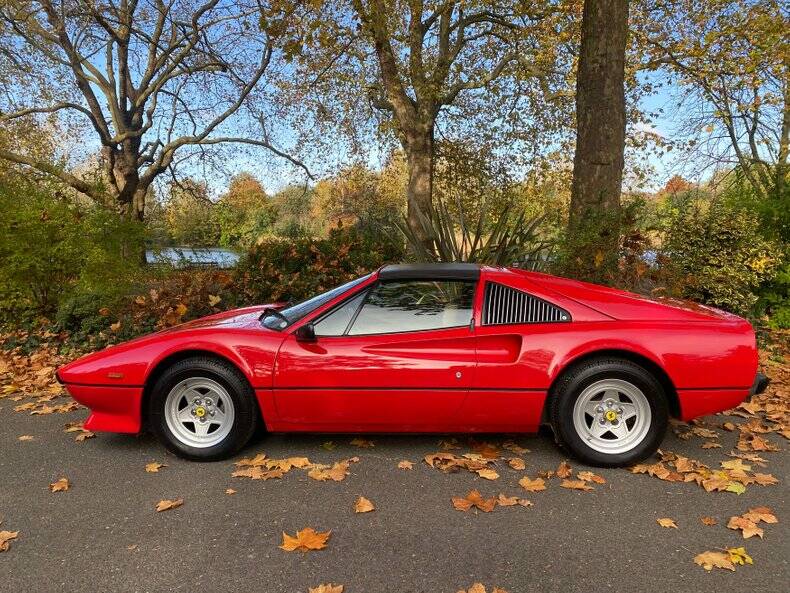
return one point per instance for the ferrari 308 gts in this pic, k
(429, 348)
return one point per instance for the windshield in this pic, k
(279, 320)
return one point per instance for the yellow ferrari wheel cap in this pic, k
(611, 415)
(200, 411)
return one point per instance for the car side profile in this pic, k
(429, 348)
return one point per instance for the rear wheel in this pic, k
(203, 409)
(609, 412)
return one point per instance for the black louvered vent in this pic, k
(508, 305)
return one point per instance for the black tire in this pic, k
(246, 414)
(572, 384)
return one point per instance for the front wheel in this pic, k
(203, 409)
(609, 412)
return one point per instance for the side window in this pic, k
(336, 322)
(504, 305)
(413, 305)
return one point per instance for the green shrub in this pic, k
(716, 255)
(51, 248)
(295, 269)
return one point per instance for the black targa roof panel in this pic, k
(449, 271)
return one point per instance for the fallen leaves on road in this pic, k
(336, 472)
(229, 491)
(25, 437)
(726, 559)
(480, 588)
(326, 588)
(667, 522)
(363, 443)
(154, 467)
(262, 468)
(405, 464)
(576, 485)
(747, 522)
(78, 427)
(564, 470)
(474, 499)
(517, 463)
(307, 539)
(60, 485)
(5, 539)
(363, 505)
(530, 485)
(591, 477)
(473, 462)
(708, 521)
(166, 505)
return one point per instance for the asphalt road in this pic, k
(104, 535)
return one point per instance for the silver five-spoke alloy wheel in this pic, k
(199, 412)
(612, 416)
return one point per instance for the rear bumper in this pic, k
(113, 408)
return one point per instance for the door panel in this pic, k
(399, 381)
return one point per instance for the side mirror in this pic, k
(306, 333)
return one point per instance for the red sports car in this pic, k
(429, 348)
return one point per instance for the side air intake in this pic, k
(505, 305)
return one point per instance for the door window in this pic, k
(414, 305)
(336, 323)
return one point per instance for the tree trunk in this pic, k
(419, 161)
(600, 139)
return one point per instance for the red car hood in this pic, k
(244, 317)
(629, 306)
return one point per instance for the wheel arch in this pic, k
(649, 365)
(166, 362)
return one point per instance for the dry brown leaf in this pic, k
(765, 479)
(307, 539)
(667, 522)
(487, 450)
(480, 588)
(405, 464)
(60, 485)
(711, 445)
(576, 485)
(258, 461)
(474, 499)
(513, 447)
(363, 505)
(5, 539)
(591, 477)
(517, 463)
(763, 514)
(166, 505)
(488, 474)
(84, 435)
(506, 501)
(747, 527)
(230, 491)
(326, 588)
(363, 443)
(529, 485)
(336, 472)
(710, 560)
(564, 470)
(257, 473)
(25, 437)
(154, 467)
(708, 521)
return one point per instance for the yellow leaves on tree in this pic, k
(307, 539)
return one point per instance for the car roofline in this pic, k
(430, 271)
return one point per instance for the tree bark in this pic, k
(419, 150)
(600, 136)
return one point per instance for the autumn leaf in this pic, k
(710, 560)
(154, 467)
(480, 588)
(363, 505)
(258, 461)
(564, 470)
(576, 485)
(591, 477)
(765, 479)
(5, 539)
(363, 443)
(488, 474)
(307, 539)
(257, 473)
(25, 437)
(529, 485)
(115, 326)
(60, 485)
(667, 522)
(747, 527)
(763, 514)
(736, 465)
(326, 588)
(405, 464)
(506, 501)
(708, 521)
(166, 505)
(230, 491)
(487, 450)
(517, 463)
(336, 472)
(213, 300)
(739, 556)
(474, 499)
(514, 448)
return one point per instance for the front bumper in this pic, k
(760, 384)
